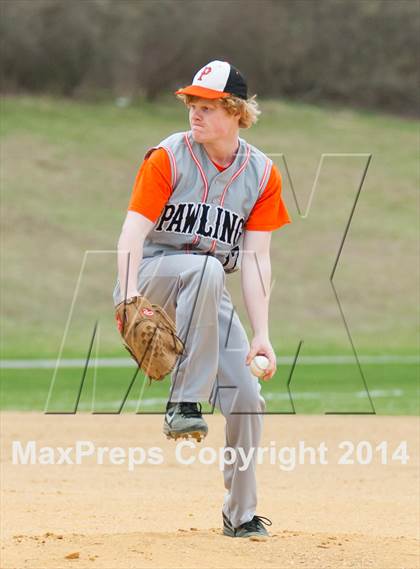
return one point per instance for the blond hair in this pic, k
(247, 109)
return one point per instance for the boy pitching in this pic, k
(204, 204)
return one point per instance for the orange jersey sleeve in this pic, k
(269, 212)
(152, 187)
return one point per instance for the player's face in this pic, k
(210, 122)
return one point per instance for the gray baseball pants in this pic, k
(192, 290)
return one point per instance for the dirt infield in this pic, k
(168, 515)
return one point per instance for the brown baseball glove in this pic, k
(149, 334)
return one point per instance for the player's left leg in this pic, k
(189, 288)
(237, 395)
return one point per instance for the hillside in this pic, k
(66, 174)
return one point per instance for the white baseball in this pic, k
(259, 366)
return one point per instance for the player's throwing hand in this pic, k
(261, 346)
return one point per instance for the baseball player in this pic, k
(204, 204)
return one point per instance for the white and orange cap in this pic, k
(216, 80)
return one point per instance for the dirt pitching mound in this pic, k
(325, 514)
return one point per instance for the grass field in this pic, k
(66, 174)
(317, 389)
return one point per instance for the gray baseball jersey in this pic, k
(207, 210)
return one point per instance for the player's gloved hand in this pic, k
(149, 334)
(261, 346)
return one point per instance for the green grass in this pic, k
(315, 389)
(66, 174)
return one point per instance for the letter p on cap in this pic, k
(205, 71)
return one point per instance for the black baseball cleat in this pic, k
(248, 529)
(184, 420)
